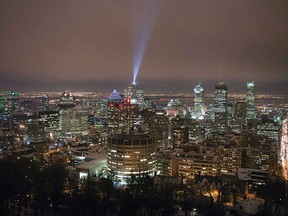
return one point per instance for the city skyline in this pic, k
(53, 45)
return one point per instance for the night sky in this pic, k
(90, 45)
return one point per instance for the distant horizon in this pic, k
(153, 87)
(165, 46)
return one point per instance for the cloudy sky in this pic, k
(91, 45)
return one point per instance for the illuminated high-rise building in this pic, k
(199, 107)
(2, 108)
(239, 115)
(66, 100)
(250, 100)
(72, 119)
(45, 102)
(174, 108)
(220, 107)
(132, 153)
(50, 119)
(135, 94)
(115, 116)
(13, 102)
(284, 148)
(161, 124)
(122, 113)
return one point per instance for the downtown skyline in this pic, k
(91, 46)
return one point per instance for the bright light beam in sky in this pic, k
(144, 17)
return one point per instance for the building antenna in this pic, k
(219, 73)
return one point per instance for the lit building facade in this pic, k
(115, 114)
(135, 94)
(284, 149)
(174, 108)
(250, 100)
(161, 125)
(231, 159)
(191, 163)
(163, 163)
(67, 100)
(220, 107)
(239, 116)
(264, 159)
(180, 136)
(269, 128)
(122, 113)
(131, 153)
(72, 119)
(199, 107)
(50, 120)
(45, 102)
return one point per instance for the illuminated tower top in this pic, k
(135, 94)
(199, 109)
(67, 100)
(250, 99)
(114, 96)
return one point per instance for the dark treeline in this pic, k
(27, 189)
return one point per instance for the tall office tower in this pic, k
(239, 116)
(72, 119)
(35, 132)
(44, 102)
(161, 124)
(66, 100)
(132, 154)
(230, 114)
(220, 107)
(115, 116)
(174, 108)
(284, 148)
(196, 131)
(250, 100)
(135, 94)
(180, 136)
(199, 107)
(13, 101)
(4, 115)
(122, 113)
(2, 107)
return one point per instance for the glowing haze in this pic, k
(169, 45)
(144, 16)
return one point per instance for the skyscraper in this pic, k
(45, 102)
(72, 119)
(199, 108)
(284, 148)
(135, 94)
(220, 107)
(115, 116)
(250, 100)
(238, 121)
(122, 113)
(13, 102)
(132, 153)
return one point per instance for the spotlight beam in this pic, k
(144, 16)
